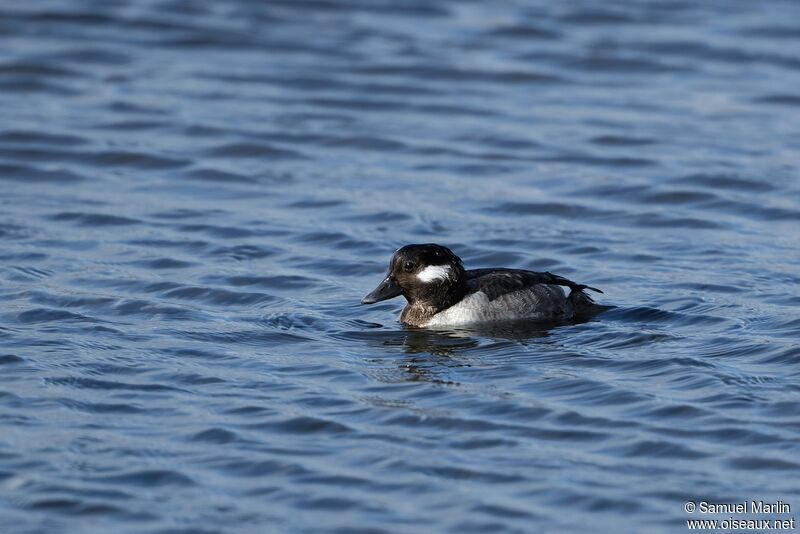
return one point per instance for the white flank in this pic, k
(434, 272)
(470, 310)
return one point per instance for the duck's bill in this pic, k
(387, 289)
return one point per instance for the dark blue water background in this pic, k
(195, 196)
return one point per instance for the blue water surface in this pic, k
(194, 197)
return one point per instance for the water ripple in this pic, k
(196, 196)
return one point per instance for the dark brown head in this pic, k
(428, 275)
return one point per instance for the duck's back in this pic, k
(509, 294)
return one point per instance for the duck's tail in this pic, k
(561, 281)
(583, 306)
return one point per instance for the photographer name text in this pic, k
(745, 507)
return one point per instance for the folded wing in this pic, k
(495, 283)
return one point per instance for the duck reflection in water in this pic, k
(429, 353)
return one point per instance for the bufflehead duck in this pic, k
(440, 292)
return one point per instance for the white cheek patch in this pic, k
(434, 272)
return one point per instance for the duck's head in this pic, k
(427, 274)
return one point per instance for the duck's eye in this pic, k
(408, 266)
